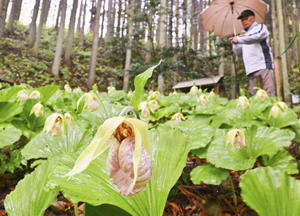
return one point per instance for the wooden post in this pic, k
(278, 76)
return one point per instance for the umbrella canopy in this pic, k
(221, 16)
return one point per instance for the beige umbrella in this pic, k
(221, 16)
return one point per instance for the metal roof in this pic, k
(199, 82)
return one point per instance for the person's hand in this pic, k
(234, 40)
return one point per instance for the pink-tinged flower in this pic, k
(243, 102)
(22, 95)
(194, 90)
(55, 124)
(236, 138)
(178, 117)
(35, 94)
(38, 110)
(261, 94)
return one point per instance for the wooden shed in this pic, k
(208, 83)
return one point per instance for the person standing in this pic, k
(253, 46)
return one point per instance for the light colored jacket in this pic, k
(254, 46)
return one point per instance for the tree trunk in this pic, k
(81, 35)
(58, 15)
(150, 33)
(70, 38)
(93, 15)
(102, 19)
(274, 29)
(119, 18)
(79, 17)
(109, 13)
(129, 47)
(3, 16)
(233, 86)
(170, 24)
(32, 28)
(39, 32)
(60, 40)
(14, 14)
(282, 48)
(123, 23)
(92, 72)
(195, 25)
(47, 8)
(298, 30)
(162, 40)
(294, 30)
(177, 25)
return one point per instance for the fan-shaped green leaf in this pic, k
(271, 192)
(9, 135)
(30, 196)
(169, 152)
(8, 110)
(208, 174)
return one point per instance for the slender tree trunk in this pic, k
(195, 25)
(32, 28)
(233, 86)
(128, 50)
(58, 15)
(202, 33)
(14, 14)
(119, 18)
(39, 32)
(123, 23)
(170, 24)
(3, 16)
(150, 46)
(70, 38)
(294, 30)
(79, 17)
(184, 13)
(177, 25)
(60, 40)
(298, 30)
(92, 72)
(81, 35)
(93, 15)
(274, 29)
(113, 18)
(47, 8)
(162, 40)
(109, 21)
(102, 19)
(282, 48)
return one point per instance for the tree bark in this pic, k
(32, 28)
(170, 25)
(39, 32)
(3, 16)
(70, 38)
(81, 35)
(14, 14)
(162, 40)
(129, 47)
(109, 21)
(79, 17)
(92, 72)
(47, 8)
(177, 25)
(282, 48)
(298, 30)
(150, 47)
(93, 15)
(119, 18)
(60, 40)
(58, 15)
(102, 19)
(274, 29)
(195, 25)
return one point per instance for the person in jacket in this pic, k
(253, 46)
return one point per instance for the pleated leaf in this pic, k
(259, 141)
(8, 110)
(208, 174)
(169, 151)
(271, 192)
(30, 196)
(9, 135)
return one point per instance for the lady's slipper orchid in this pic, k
(203, 99)
(153, 95)
(90, 100)
(128, 162)
(111, 89)
(178, 117)
(143, 107)
(22, 95)
(55, 123)
(35, 94)
(68, 119)
(261, 94)
(243, 102)
(38, 110)
(130, 94)
(77, 90)
(67, 88)
(277, 109)
(236, 138)
(194, 90)
(152, 105)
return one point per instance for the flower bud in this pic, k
(90, 101)
(35, 94)
(261, 94)
(236, 138)
(153, 95)
(203, 99)
(67, 88)
(178, 117)
(55, 124)
(143, 107)
(282, 105)
(130, 94)
(194, 90)
(275, 111)
(211, 94)
(22, 95)
(243, 102)
(111, 89)
(68, 119)
(37, 109)
(152, 105)
(77, 90)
